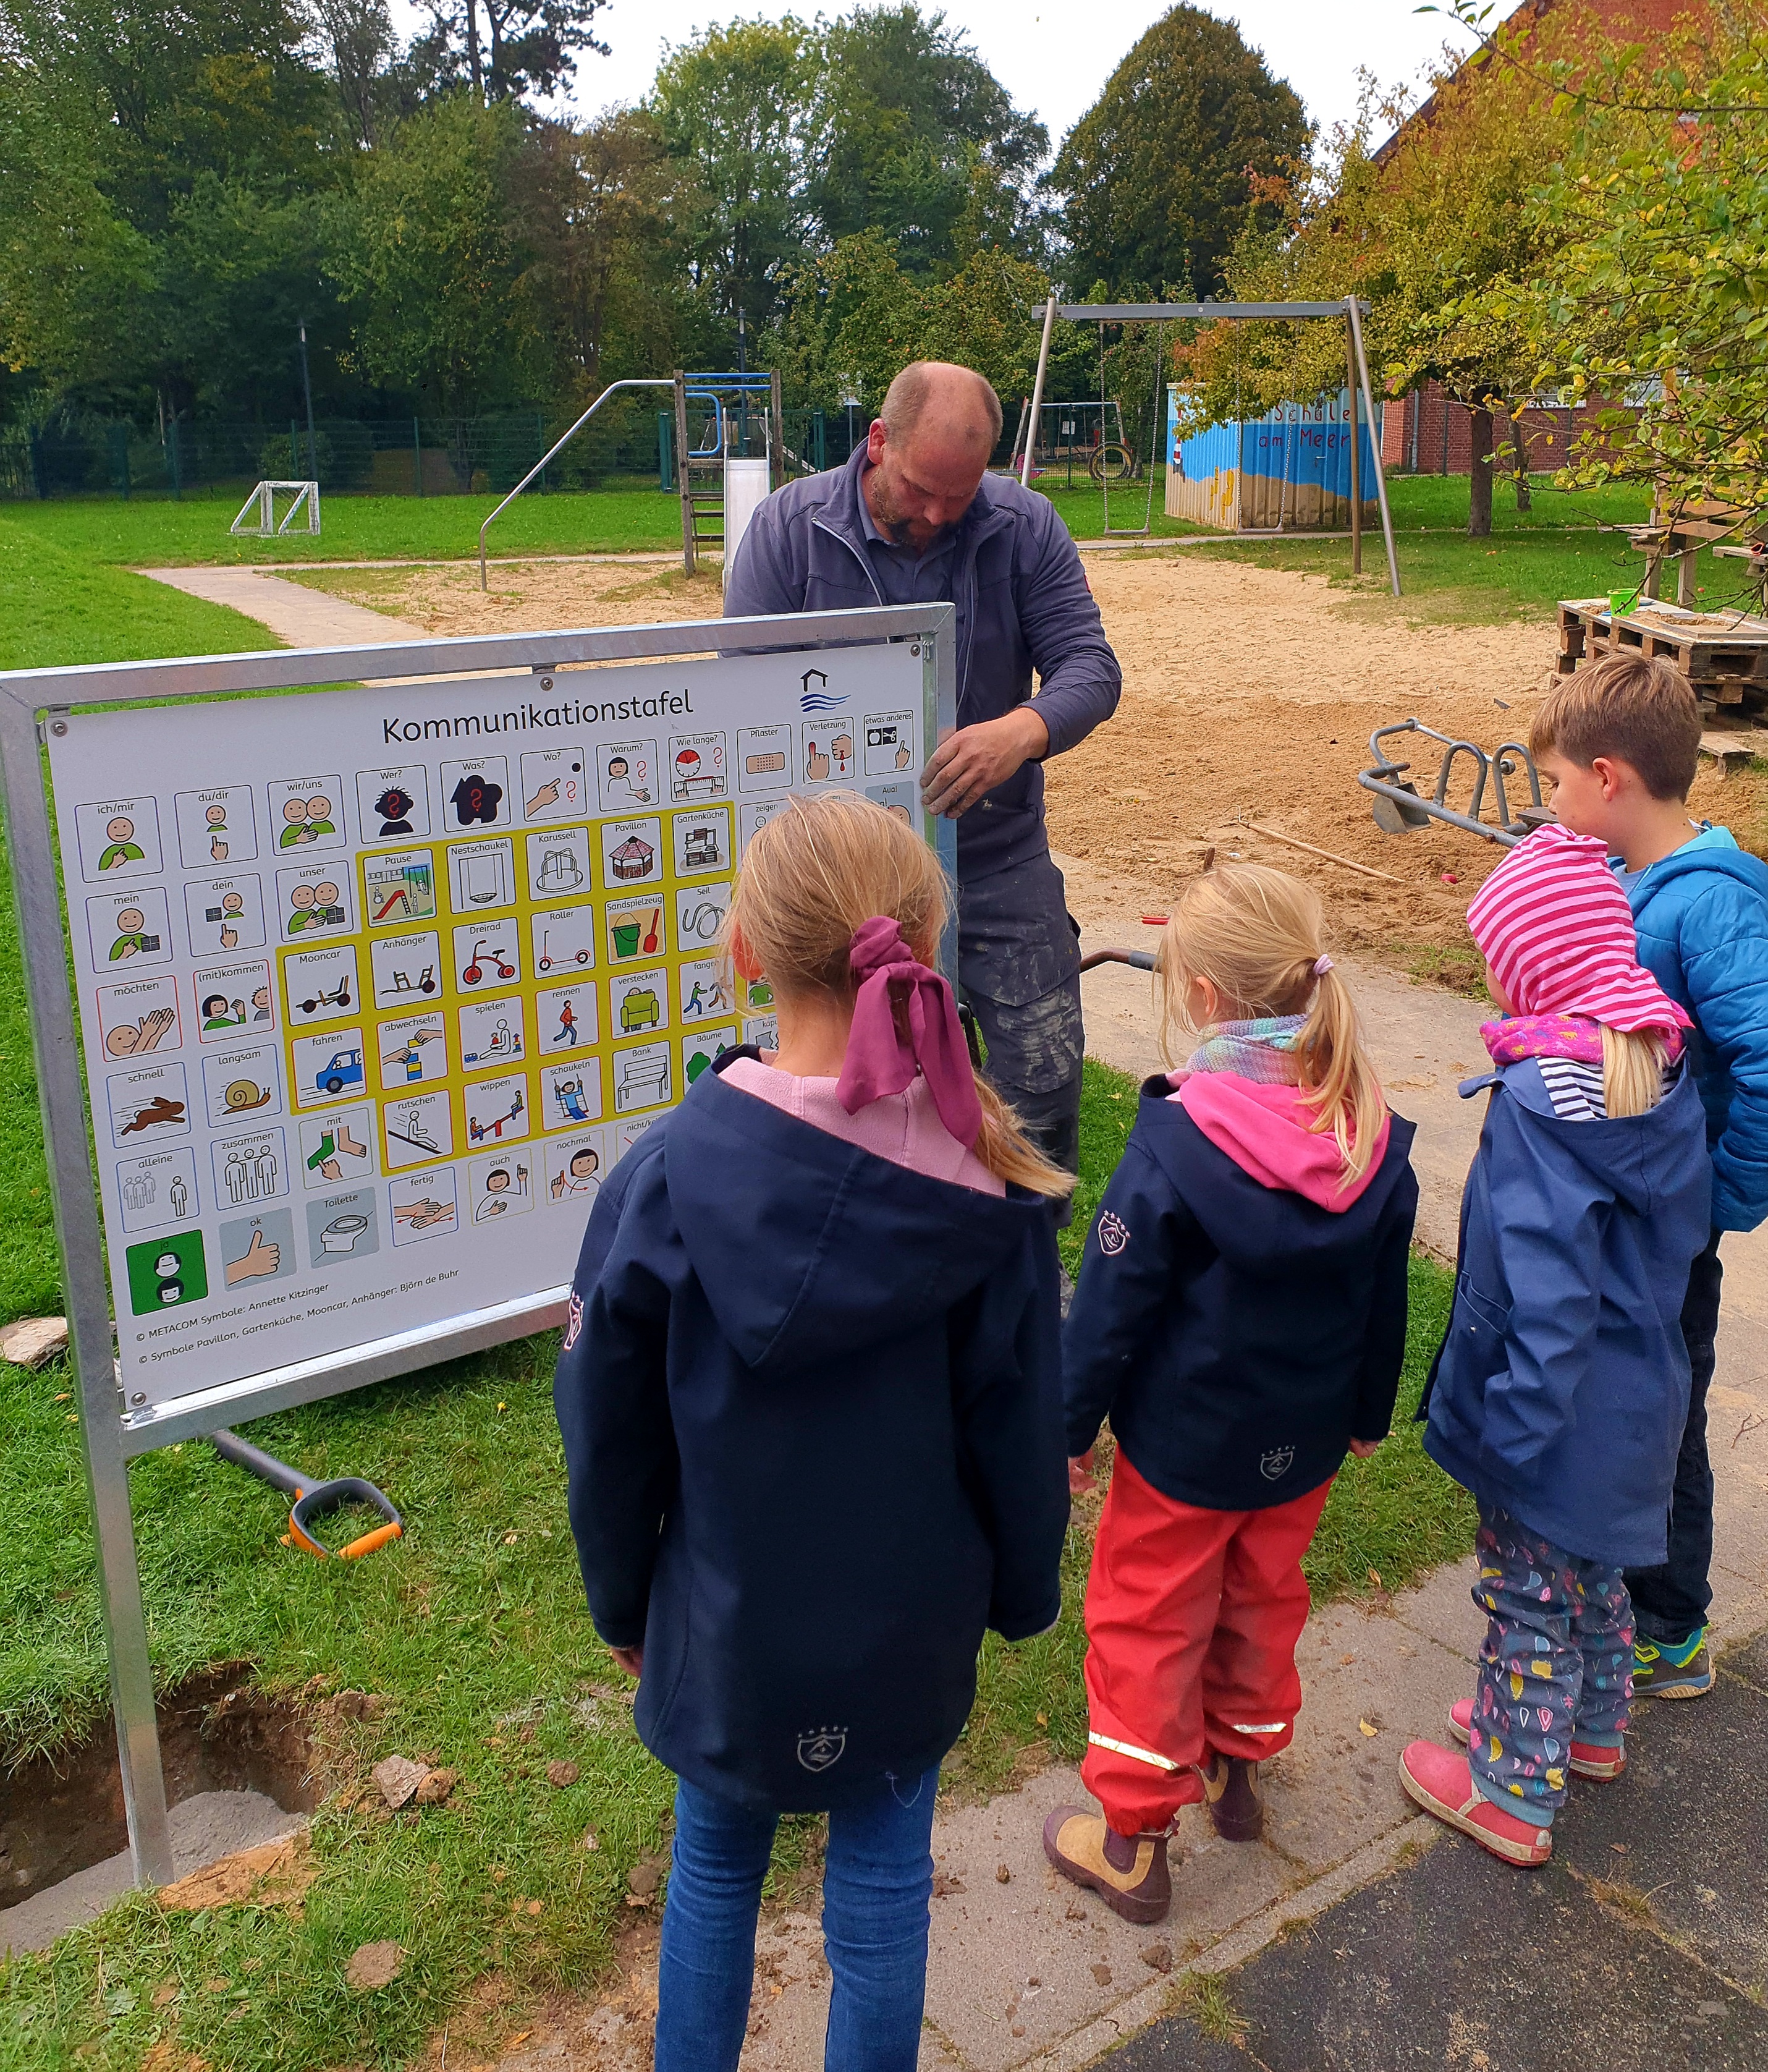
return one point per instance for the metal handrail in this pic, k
(559, 446)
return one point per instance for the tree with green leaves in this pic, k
(1423, 227)
(422, 248)
(914, 140)
(163, 168)
(853, 318)
(1654, 309)
(1157, 177)
(731, 105)
(603, 210)
(527, 45)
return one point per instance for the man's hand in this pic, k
(631, 1659)
(1365, 1448)
(974, 759)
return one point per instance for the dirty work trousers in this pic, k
(1191, 1619)
(1556, 1665)
(1019, 967)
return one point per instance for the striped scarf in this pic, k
(1262, 1052)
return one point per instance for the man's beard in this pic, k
(888, 518)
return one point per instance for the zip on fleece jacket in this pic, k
(1238, 1333)
(1024, 609)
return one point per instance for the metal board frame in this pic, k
(31, 704)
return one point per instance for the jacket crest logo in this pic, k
(574, 1322)
(1114, 1233)
(821, 1748)
(1276, 1464)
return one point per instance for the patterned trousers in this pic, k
(1556, 1663)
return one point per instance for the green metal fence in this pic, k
(78, 455)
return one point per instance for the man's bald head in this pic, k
(927, 449)
(949, 406)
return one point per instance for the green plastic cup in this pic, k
(1620, 601)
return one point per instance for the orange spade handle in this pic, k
(369, 1542)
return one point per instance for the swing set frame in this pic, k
(1349, 313)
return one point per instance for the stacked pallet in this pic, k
(1723, 654)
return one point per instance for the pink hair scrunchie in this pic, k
(879, 1060)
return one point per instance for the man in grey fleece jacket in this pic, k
(914, 518)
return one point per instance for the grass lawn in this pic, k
(357, 528)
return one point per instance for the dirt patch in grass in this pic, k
(60, 1813)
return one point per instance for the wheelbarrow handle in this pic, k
(333, 1496)
(1139, 959)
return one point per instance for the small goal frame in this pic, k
(305, 496)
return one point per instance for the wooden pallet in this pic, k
(1723, 655)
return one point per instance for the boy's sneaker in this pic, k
(1128, 1872)
(1231, 1791)
(1588, 1759)
(1440, 1781)
(1662, 1671)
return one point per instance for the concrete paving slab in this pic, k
(1016, 1967)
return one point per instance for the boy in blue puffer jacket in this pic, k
(1619, 744)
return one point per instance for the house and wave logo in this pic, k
(814, 695)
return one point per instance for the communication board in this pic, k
(375, 986)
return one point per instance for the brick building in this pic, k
(1426, 432)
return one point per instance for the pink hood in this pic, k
(1266, 1131)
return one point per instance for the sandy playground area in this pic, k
(1249, 696)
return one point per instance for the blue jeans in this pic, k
(877, 1881)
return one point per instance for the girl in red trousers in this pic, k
(1240, 1318)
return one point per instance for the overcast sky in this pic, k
(1054, 56)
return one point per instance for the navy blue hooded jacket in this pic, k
(811, 1409)
(1238, 1335)
(1561, 1387)
(1023, 604)
(1701, 917)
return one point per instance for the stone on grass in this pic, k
(436, 1786)
(33, 1342)
(560, 1774)
(397, 1779)
(375, 1965)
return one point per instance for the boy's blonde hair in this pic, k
(1256, 935)
(820, 870)
(1638, 709)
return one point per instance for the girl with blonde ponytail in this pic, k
(1241, 1318)
(811, 1404)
